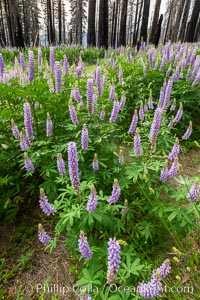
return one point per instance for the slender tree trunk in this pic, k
(168, 21)
(184, 20)
(145, 20)
(155, 22)
(59, 21)
(63, 23)
(139, 19)
(79, 22)
(158, 31)
(122, 34)
(49, 23)
(115, 23)
(178, 21)
(103, 24)
(136, 18)
(193, 21)
(91, 34)
(2, 28)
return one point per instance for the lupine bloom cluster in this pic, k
(115, 111)
(79, 68)
(113, 260)
(31, 68)
(66, 64)
(72, 112)
(133, 122)
(49, 126)
(28, 164)
(15, 130)
(194, 192)
(28, 120)
(112, 92)
(60, 164)
(39, 60)
(45, 205)
(83, 245)
(22, 62)
(178, 116)
(93, 200)
(73, 166)
(154, 287)
(102, 114)
(89, 95)
(24, 144)
(188, 132)
(85, 297)
(155, 126)
(98, 81)
(173, 106)
(173, 171)
(1, 64)
(57, 77)
(116, 191)
(137, 143)
(84, 137)
(51, 60)
(122, 102)
(43, 236)
(95, 163)
(141, 112)
(175, 151)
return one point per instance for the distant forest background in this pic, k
(101, 23)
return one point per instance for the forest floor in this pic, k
(28, 271)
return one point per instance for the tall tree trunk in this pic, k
(122, 33)
(168, 21)
(135, 24)
(2, 28)
(193, 21)
(63, 23)
(158, 31)
(155, 22)
(184, 20)
(79, 22)
(91, 34)
(145, 20)
(115, 24)
(103, 24)
(49, 23)
(59, 21)
(178, 20)
(139, 18)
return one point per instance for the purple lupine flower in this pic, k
(43, 237)
(73, 114)
(51, 60)
(188, 132)
(84, 137)
(116, 191)
(115, 111)
(15, 130)
(168, 71)
(197, 79)
(23, 142)
(167, 93)
(73, 166)
(98, 81)
(153, 288)
(164, 172)
(93, 200)
(79, 68)
(86, 297)
(45, 205)
(113, 260)
(28, 120)
(66, 65)
(31, 69)
(122, 102)
(89, 95)
(39, 60)
(120, 76)
(133, 122)
(28, 164)
(173, 171)
(22, 62)
(150, 100)
(112, 92)
(179, 114)
(194, 192)
(1, 64)
(151, 57)
(60, 164)
(173, 106)
(57, 77)
(137, 143)
(165, 268)
(49, 126)
(95, 163)
(162, 95)
(94, 104)
(121, 157)
(141, 112)
(84, 248)
(155, 126)
(103, 113)
(76, 95)
(175, 151)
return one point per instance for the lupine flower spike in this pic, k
(43, 236)
(73, 166)
(49, 126)
(23, 142)
(93, 200)
(103, 113)
(188, 132)
(175, 150)
(60, 164)
(89, 95)
(164, 172)
(137, 143)
(28, 120)
(45, 205)
(113, 260)
(165, 268)
(173, 171)
(194, 192)
(133, 122)
(95, 163)
(31, 69)
(153, 288)
(116, 191)
(84, 137)
(28, 164)
(84, 248)
(72, 112)
(15, 130)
